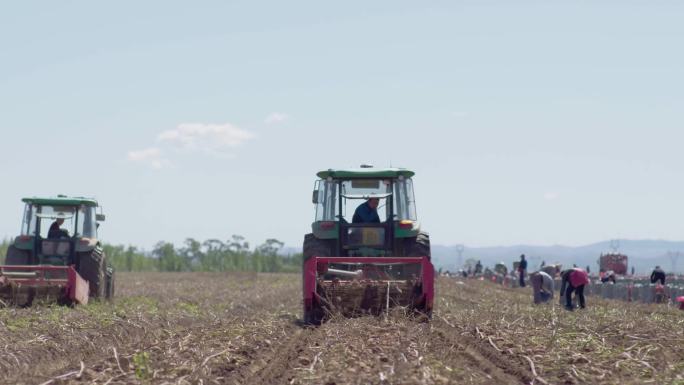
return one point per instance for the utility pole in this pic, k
(615, 245)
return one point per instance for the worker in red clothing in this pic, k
(573, 280)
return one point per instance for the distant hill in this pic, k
(643, 254)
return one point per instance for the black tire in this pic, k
(320, 248)
(315, 246)
(110, 278)
(418, 246)
(17, 257)
(314, 316)
(92, 267)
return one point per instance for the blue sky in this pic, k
(536, 122)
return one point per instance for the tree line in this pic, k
(234, 254)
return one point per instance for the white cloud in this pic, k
(211, 138)
(214, 139)
(276, 118)
(151, 156)
(550, 196)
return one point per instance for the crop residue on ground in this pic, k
(189, 328)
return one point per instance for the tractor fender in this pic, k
(84, 245)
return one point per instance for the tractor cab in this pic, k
(54, 230)
(339, 194)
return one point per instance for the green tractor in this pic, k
(366, 252)
(58, 253)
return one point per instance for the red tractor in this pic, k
(367, 259)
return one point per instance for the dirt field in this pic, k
(235, 329)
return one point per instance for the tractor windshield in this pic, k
(355, 192)
(77, 220)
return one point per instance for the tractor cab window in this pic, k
(47, 215)
(356, 192)
(86, 225)
(325, 198)
(28, 224)
(404, 200)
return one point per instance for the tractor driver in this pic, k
(55, 231)
(367, 212)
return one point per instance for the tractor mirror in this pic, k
(314, 197)
(100, 217)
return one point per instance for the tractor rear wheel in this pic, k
(314, 316)
(321, 248)
(315, 246)
(92, 268)
(17, 257)
(418, 246)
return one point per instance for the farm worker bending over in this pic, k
(522, 268)
(573, 280)
(608, 276)
(658, 275)
(551, 270)
(542, 286)
(367, 212)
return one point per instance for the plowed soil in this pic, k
(206, 328)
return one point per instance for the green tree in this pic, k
(239, 252)
(217, 257)
(192, 256)
(3, 250)
(268, 256)
(167, 257)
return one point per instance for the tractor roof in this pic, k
(367, 172)
(61, 200)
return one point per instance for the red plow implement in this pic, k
(366, 285)
(21, 285)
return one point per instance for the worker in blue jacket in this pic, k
(367, 212)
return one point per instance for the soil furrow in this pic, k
(502, 368)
